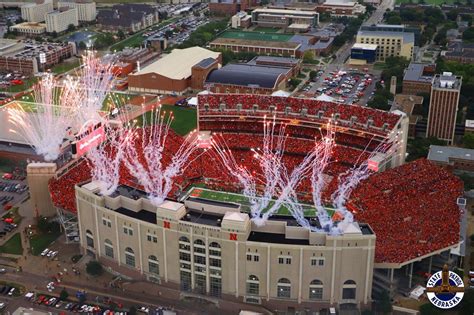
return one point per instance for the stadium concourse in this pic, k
(412, 208)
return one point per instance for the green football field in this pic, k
(261, 36)
(203, 193)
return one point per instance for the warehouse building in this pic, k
(180, 71)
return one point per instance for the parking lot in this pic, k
(12, 191)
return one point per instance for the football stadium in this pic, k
(202, 235)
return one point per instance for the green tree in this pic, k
(452, 14)
(394, 19)
(468, 140)
(54, 34)
(419, 147)
(308, 56)
(196, 13)
(468, 34)
(94, 268)
(71, 28)
(313, 74)
(63, 295)
(121, 34)
(82, 45)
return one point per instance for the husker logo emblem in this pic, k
(445, 289)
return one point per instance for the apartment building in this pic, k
(36, 12)
(58, 21)
(392, 40)
(86, 9)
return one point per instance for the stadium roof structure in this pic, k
(238, 74)
(177, 65)
(442, 154)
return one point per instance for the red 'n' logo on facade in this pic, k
(166, 224)
(233, 236)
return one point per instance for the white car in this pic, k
(2, 305)
(12, 290)
(45, 252)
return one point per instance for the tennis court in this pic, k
(261, 36)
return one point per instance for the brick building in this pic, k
(180, 71)
(417, 78)
(230, 7)
(444, 100)
(24, 56)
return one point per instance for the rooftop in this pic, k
(272, 59)
(142, 215)
(238, 74)
(200, 217)
(177, 65)
(365, 46)
(443, 154)
(447, 81)
(263, 237)
(30, 25)
(407, 37)
(419, 72)
(255, 43)
(285, 11)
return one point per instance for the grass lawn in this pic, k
(273, 37)
(41, 241)
(379, 66)
(241, 199)
(13, 245)
(19, 88)
(185, 119)
(115, 99)
(266, 29)
(8, 165)
(65, 66)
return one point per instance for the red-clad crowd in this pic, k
(412, 208)
(288, 107)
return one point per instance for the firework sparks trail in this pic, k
(156, 179)
(105, 159)
(276, 180)
(44, 127)
(349, 180)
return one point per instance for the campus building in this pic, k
(241, 20)
(341, 8)
(230, 7)
(130, 17)
(417, 78)
(212, 249)
(288, 49)
(453, 158)
(364, 53)
(25, 56)
(444, 100)
(36, 12)
(59, 21)
(180, 71)
(287, 19)
(392, 40)
(29, 28)
(269, 74)
(86, 9)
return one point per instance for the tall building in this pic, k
(391, 40)
(86, 9)
(58, 21)
(36, 12)
(445, 91)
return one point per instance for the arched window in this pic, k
(214, 249)
(284, 288)
(316, 290)
(184, 243)
(253, 285)
(349, 290)
(109, 248)
(153, 265)
(199, 246)
(89, 239)
(129, 257)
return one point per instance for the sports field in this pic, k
(204, 193)
(261, 36)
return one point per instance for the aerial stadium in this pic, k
(277, 201)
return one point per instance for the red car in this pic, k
(16, 82)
